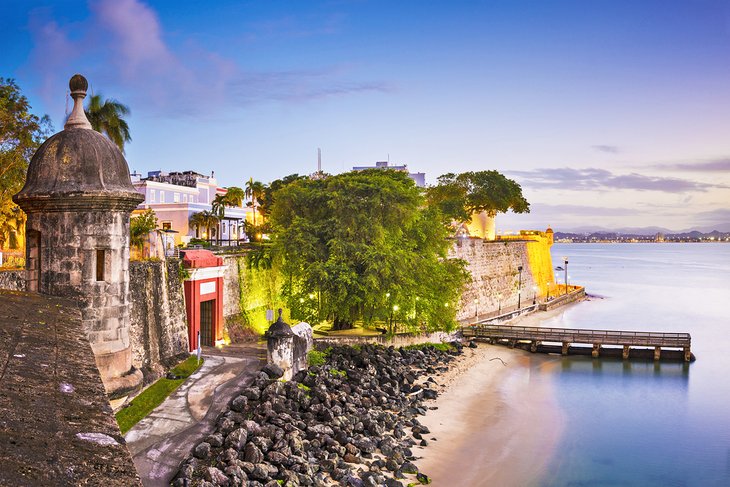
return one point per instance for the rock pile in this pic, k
(351, 421)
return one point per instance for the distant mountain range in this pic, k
(586, 230)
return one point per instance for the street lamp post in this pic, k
(476, 308)
(534, 295)
(565, 259)
(519, 289)
(499, 302)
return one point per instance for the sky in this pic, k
(610, 114)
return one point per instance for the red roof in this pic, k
(201, 258)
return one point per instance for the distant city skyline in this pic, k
(609, 114)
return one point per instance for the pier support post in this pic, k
(657, 353)
(596, 352)
(625, 353)
(687, 354)
(534, 345)
(512, 343)
(564, 351)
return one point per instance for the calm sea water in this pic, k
(640, 423)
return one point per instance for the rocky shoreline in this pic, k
(351, 421)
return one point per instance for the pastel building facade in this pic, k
(176, 196)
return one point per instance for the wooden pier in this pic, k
(572, 340)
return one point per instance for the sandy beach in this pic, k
(497, 423)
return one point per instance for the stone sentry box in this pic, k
(287, 347)
(78, 197)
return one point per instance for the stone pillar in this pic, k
(687, 354)
(626, 352)
(596, 352)
(657, 353)
(564, 351)
(280, 346)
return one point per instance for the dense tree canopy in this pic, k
(21, 133)
(460, 196)
(363, 246)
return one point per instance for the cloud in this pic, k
(716, 165)
(608, 149)
(719, 216)
(122, 47)
(593, 179)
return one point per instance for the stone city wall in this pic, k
(158, 331)
(493, 266)
(399, 340)
(12, 280)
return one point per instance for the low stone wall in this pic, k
(400, 340)
(158, 331)
(574, 295)
(12, 280)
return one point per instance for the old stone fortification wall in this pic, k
(158, 332)
(12, 280)
(493, 266)
(400, 340)
(247, 294)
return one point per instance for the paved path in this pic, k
(163, 439)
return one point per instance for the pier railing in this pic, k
(575, 335)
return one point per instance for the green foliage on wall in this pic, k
(260, 290)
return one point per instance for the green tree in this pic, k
(267, 200)
(460, 196)
(21, 133)
(255, 191)
(363, 246)
(235, 196)
(204, 219)
(140, 227)
(107, 117)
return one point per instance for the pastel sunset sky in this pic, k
(609, 113)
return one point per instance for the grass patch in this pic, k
(153, 396)
(304, 387)
(338, 373)
(315, 357)
(444, 347)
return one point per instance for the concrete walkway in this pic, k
(163, 439)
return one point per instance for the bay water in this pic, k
(641, 423)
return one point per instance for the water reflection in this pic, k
(646, 368)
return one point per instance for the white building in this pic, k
(418, 177)
(177, 196)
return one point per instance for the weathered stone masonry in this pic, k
(158, 331)
(493, 266)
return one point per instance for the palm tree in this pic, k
(255, 191)
(107, 117)
(235, 196)
(204, 219)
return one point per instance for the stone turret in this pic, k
(78, 197)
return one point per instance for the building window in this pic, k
(152, 196)
(100, 264)
(185, 198)
(167, 225)
(162, 196)
(176, 198)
